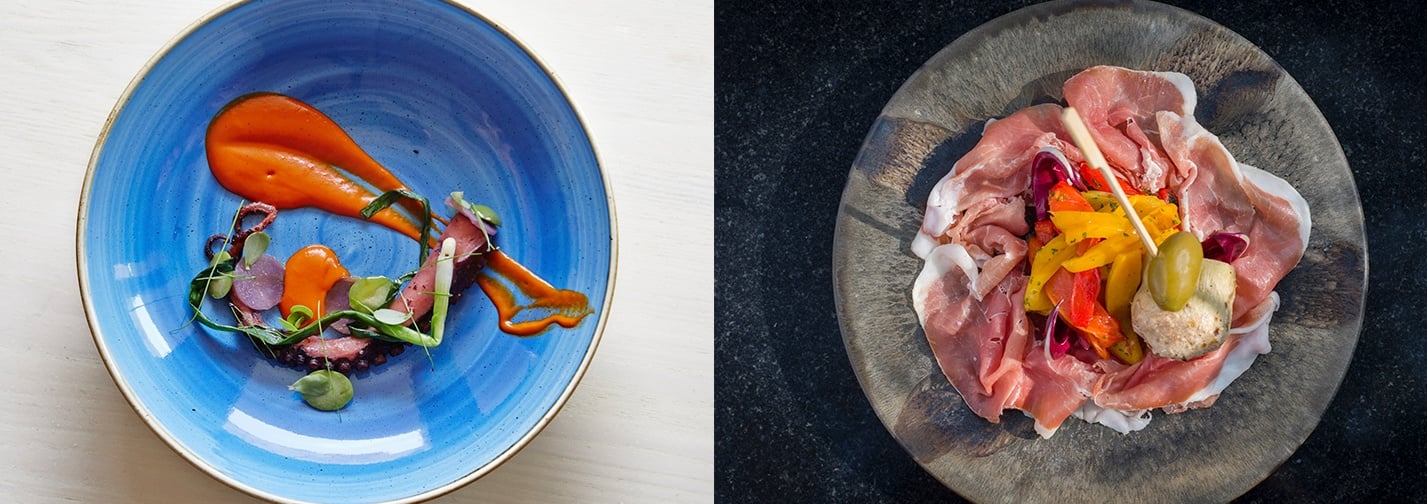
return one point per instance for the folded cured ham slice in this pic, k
(1120, 106)
(987, 186)
(969, 294)
(984, 347)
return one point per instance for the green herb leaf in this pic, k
(254, 246)
(486, 214)
(391, 317)
(324, 389)
(313, 384)
(482, 212)
(370, 293)
(219, 287)
(297, 317)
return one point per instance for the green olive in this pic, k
(324, 389)
(1174, 271)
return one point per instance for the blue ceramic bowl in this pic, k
(444, 99)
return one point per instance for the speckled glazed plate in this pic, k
(1264, 118)
(444, 99)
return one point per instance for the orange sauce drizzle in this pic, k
(278, 150)
(311, 272)
(566, 307)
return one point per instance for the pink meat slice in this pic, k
(987, 185)
(416, 297)
(1119, 106)
(977, 327)
(980, 355)
(1055, 387)
(342, 347)
(985, 350)
(1158, 381)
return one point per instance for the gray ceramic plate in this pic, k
(1264, 118)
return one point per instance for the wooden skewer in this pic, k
(1081, 135)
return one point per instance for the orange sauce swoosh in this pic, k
(278, 150)
(564, 307)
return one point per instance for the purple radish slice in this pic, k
(258, 286)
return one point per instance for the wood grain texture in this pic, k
(638, 429)
(1260, 114)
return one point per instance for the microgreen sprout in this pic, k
(391, 317)
(297, 317)
(482, 212)
(369, 293)
(219, 285)
(254, 246)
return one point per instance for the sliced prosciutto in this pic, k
(969, 295)
(987, 187)
(984, 347)
(1119, 106)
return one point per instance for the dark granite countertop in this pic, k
(799, 84)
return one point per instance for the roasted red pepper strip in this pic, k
(1096, 182)
(1045, 230)
(1064, 197)
(1085, 289)
(1165, 195)
(1097, 327)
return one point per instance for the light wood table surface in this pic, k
(638, 429)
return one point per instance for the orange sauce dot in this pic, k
(310, 273)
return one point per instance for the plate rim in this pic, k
(172, 442)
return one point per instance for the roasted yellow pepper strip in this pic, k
(1120, 286)
(1047, 261)
(1104, 252)
(1122, 283)
(1076, 226)
(1101, 200)
(1161, 219)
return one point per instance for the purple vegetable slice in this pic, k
(258, 286)
(1225, 247)
(337, 300)
(1057, 338)
(1048, 168)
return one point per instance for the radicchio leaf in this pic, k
(1225, 247)
(1048, 168)
(1057, 338)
